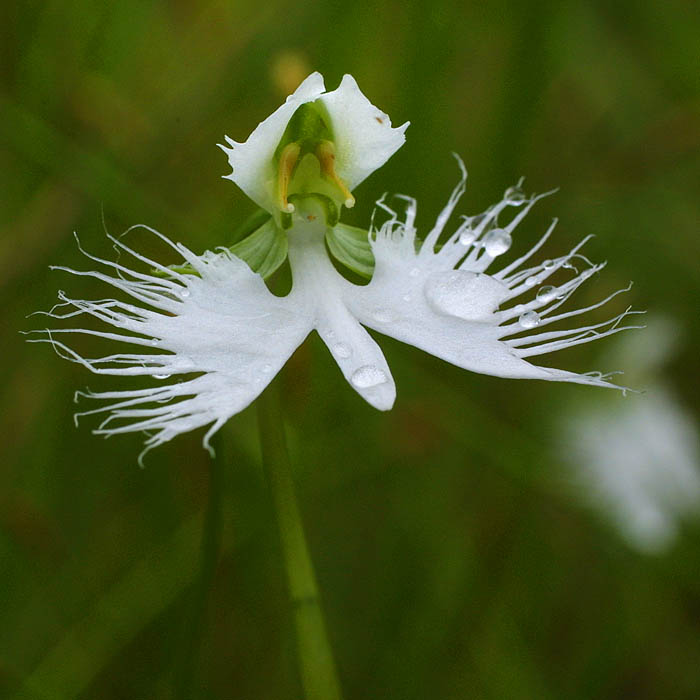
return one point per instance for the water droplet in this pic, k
(184, 293)
(266, 369)
(330, 334)
(368, 376)
(406, 297)
(464, 294)
(383, 315)
(497, 242)
(531, 281)
(546, 294)
(342, 350)
(161, 376)
(514, 196)
(154, 342)
(467, 237)
(414, 272)
(548, 264)
(529, 319)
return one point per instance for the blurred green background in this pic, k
(456, 555)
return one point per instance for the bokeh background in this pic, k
(463, 547)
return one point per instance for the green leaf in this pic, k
(350, 246)
(265, 250)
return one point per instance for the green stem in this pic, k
(314, 654)
(189, 656)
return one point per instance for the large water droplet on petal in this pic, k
(548, 264)
(464, 294)
(529, 319)
(531, 281)
(368, 376)
(497, 242)
(546, 294)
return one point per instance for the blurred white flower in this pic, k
(637, 462)
(213, 335)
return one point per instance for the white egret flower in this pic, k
(212, 335)
(637, 462)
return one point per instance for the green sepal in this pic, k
(350, 246)
(263, 246)
(264, 250)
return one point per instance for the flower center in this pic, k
(305, 161)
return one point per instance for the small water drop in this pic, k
(546, 294)
(529, 319)
(548, 264)
(342, 350)
(406, 297)
(383, 315)
(368, 376)
(154, 342)
(467, 237)
(497, 242)
(514, 196)
(161, 376)
(531, 281)
(414, 272)
(330, 334)
(185, 293)
(266, 369)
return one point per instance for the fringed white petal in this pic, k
(437, 297)
(224, 327)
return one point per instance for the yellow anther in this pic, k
(325, 152)
(287, 162)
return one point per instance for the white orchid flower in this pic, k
(213, 336)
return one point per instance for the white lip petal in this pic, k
(439, 298)
(364, 137)
(359, 357)
(251, 161)
(224, 327)
(319, 288)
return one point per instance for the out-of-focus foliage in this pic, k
(454, 560)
